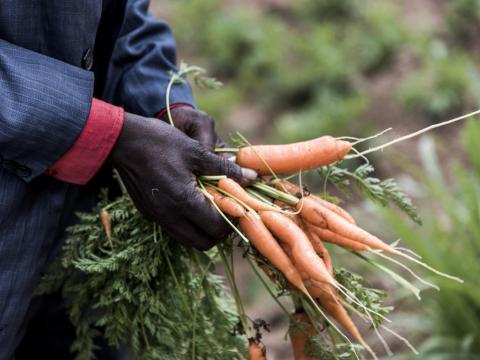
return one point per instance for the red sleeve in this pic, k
(163, 112)
(79, 164)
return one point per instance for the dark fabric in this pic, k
(142, 59)
(54, 55)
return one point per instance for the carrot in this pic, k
(305, 277)
(262, 239)
(338, 312)
(107, 224)
(319, 247)
(295, 190)
(238, 192)
(299, 268)
(256, 350)
(290, 158)
(300, 330)
(315, 241)
(331, 237)
(322, 217)
(332, 303)
(228, 205)
(335, 208)
(301, 248)
(309, 211)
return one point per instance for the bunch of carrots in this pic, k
(289, 226)
(286, 226)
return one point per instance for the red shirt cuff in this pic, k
(162, 112)
(79, 164)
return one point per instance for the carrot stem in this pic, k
(212, 177)
(117, 177)
(227, 150)
(259, 196)
(231, 279)
(255, 270)
(235, 293)
(209, 197)
(194, 321)
(276, 194)
(233, 197)
(177, 284)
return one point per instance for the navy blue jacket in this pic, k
(55, 55)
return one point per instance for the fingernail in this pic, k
(249, 174)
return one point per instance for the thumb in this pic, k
(213, 164)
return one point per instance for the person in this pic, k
(82, 90)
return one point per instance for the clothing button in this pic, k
(23, 171)
(87, 60)
(9, 165)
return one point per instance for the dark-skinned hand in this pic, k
(158, 164)
(198, 125)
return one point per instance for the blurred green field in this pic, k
(294, 70)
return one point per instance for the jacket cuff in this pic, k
(163, 112)
(79, 164)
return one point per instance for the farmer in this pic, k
(82, 89)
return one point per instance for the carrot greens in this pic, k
(144, 294)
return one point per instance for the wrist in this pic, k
(163, 114)
(86, 156)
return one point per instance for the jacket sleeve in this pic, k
(44, 104)
(141, 64)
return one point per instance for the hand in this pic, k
(195, 124)
(158, 164)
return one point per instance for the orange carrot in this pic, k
(335, 208)
(107, 224)
(228, 205)
(332, 303)
(315, 241)
(262, 239)
(302, 250)
(309, 211)
(319, 247)
(322, 217)
(306, 279)
(331, 237)
(295, 190)
(256, 350)
(301, 271)
(299, 332)
(290, 158)
(238, 192)
(338, 312)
